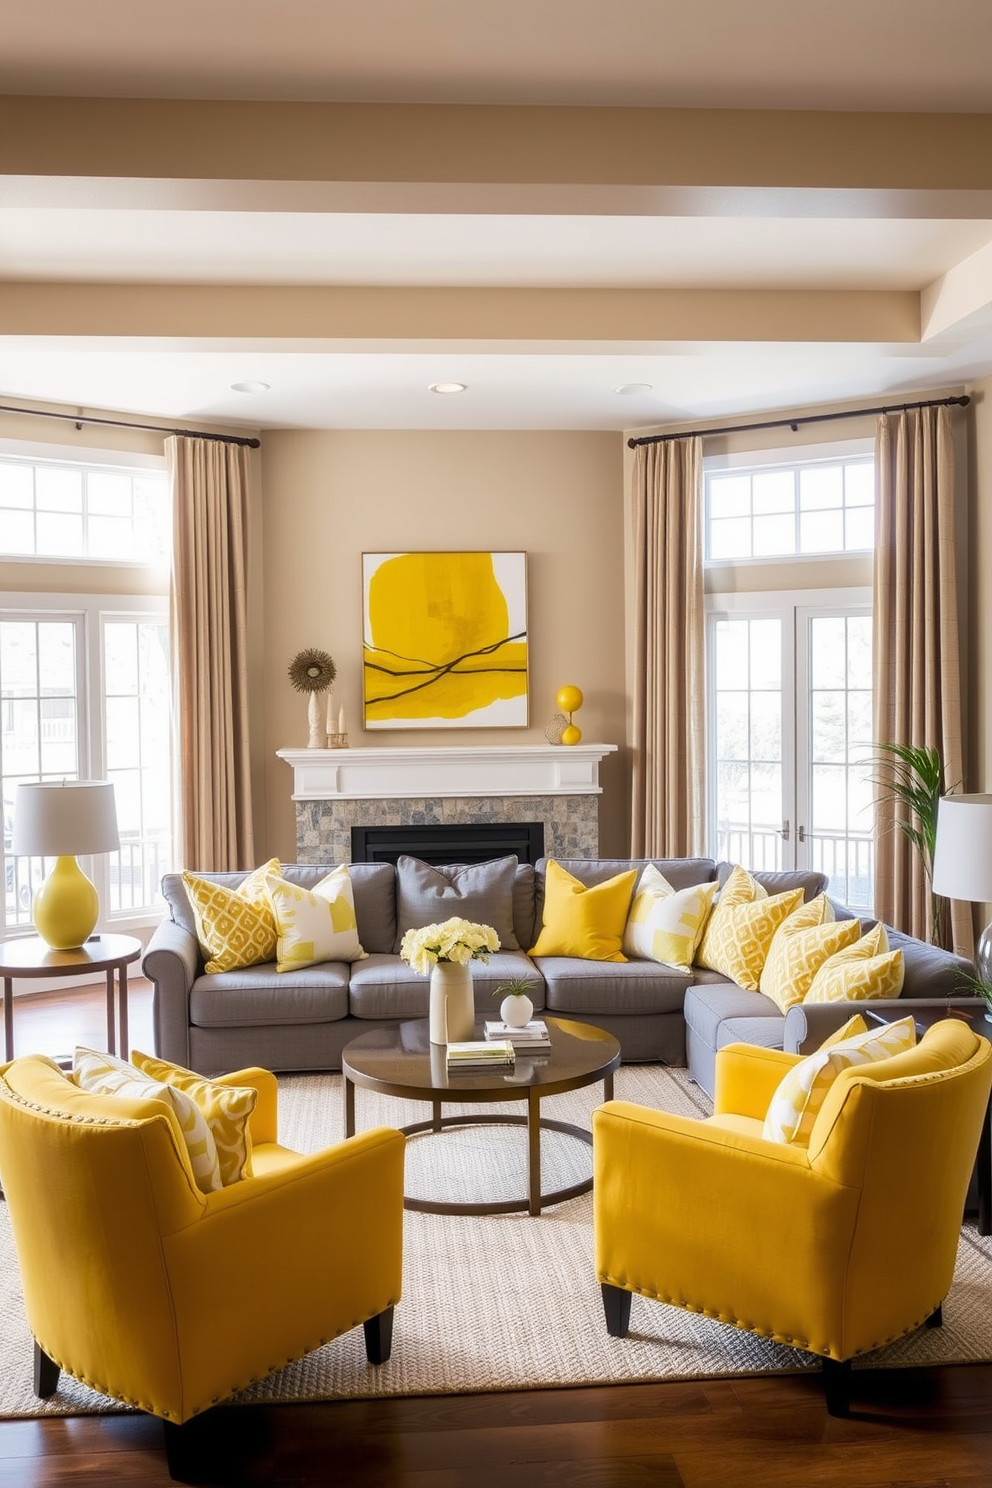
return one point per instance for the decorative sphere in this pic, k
(568, 699)
(571, 735)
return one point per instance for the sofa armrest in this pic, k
(807, 1024)
(171, 963)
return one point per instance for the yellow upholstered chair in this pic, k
(837, 1248)
(170, 1299)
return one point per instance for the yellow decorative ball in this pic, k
(569, 698)
(571, 735)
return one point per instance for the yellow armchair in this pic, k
(170, 1299)
(797, 1244)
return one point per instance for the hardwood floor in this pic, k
(908, 1428)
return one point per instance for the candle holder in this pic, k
(337, 741)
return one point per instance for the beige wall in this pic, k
(329, 496)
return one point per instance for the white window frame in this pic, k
(90, 611)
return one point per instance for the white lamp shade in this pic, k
(962, 859)
(65, 817)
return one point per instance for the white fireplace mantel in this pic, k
(466, 770)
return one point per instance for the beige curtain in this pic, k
(917, 677)
(668, 786)
(209, 611)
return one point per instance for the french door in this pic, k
(789, 714)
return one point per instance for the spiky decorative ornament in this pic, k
(312, 670)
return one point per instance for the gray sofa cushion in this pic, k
(807, 879)
(386, 987)
(481, 892)
(372, 885)
(709, 1003)
(259, 995)
(574, 986)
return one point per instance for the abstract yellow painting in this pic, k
(444, 640)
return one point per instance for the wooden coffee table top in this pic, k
(403, 1062)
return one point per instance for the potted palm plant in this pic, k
(911, 784)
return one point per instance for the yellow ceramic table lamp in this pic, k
(569, 700)
(58, 819)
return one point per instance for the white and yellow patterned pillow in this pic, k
(225, 1108)
(861, 972)
(799, 948)
(235, 927)
(103, 1074)
(314, 925)
(738, 936)
(794, 1107)
(666, 924)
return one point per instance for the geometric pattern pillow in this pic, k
(314, 925)
(740, 888)
(235, 927)
(797, 953)
(739, 936)
(225, 1108)
(794, 1107)
(847, 977)
(104, 1075)
(666, 924)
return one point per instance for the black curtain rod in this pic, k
(809, 418)
(79, 419)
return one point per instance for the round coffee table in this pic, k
(402, 1061)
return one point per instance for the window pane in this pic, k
(859, 529)
(774, 536)
(859, 667)
(829, 798)
(112, 538)
(16, 532)
(774, 491)
(108, 494)
(730, 496)
(58, 489)
(730, 539)
(765, 654)
(60, 535)
(57, 658)
(16, 485)
(821, 532)
(120, 515)
(766, 726)
(821, 486)
(828, 651)
(731, 647)
(859, 484)
(828, 726)
(732, 726)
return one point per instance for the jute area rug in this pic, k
(507, 1302)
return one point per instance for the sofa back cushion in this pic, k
(373, 887)
(427, 894)
(811, 882)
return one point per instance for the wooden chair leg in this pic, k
(181, 1452)
(379, 1337)
(837, 1386)
(46, 1374)
(616, 1305)
(936, 1318)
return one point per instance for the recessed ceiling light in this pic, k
(629, 388)
(249, 387)
(448, 387)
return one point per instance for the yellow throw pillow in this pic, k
(846, 1030)
(666, 924)
(794, 1107)
(235, 927)
(225, 1108)
(797, 952)
(580, 921)
(854, 975)
(741, 888)
(739, 936)
(103, 1074)
(314, 925)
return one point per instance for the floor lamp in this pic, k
(962, 861)
(58, 819)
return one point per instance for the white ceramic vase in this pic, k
(516, 1009)
(452, 1007)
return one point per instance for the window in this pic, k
(783, 507)
(790, 735)
(107, 511)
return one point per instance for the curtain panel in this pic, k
(668, 778)
(917, 676)
(209, 623)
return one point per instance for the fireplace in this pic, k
(474, 842)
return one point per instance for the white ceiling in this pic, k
(886, 55)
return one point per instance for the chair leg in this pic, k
(936, 1318)
(616, 1305)
(46, 1374)
(181, 1451)
(379, 1337)
(837, 1386)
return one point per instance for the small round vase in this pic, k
(452, 1006)
(516, 1010)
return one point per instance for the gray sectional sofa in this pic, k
(301, 1020)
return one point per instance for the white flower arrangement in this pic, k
(453, 940)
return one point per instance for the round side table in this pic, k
(33, 957)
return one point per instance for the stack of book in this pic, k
(532, 1037)
(476, 1054)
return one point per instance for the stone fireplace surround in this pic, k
(337, 789)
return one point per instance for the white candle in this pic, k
(330, 712)
(341, 721)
